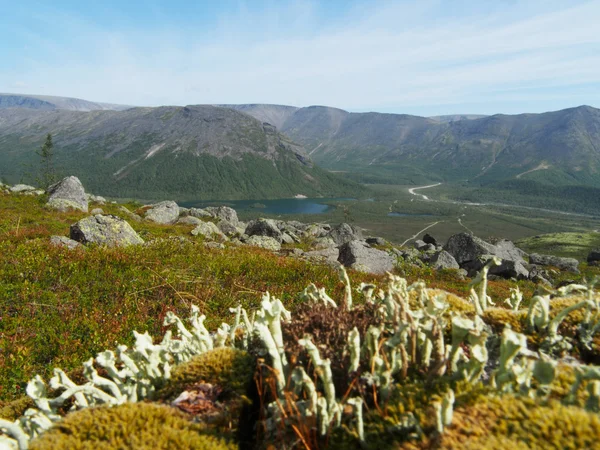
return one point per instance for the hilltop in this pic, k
(196, 152)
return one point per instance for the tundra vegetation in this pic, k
(173, 344)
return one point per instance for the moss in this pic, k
(383, 422)
(518, 421)
(132, 425)
(15, 409)
(231, 369)
(498, 318)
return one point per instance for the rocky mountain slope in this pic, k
(199, 152)
(46, 102)
(561, 146)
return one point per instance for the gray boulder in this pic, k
(593, 256)
(568, 264)
(443, 260)
(376, 241)
(344, 232)
(266, 242)
(199, 212)
(189, 220)
(165, 213)
(129, 214)
(209, 230)
(21, 188)
(96, 199)
(227, 228)
(323, 242)
(465, 247)
(105, 230)
(327, 255)
(317, 230)
(359, 256)
(508, 268)
(429, 239)
(506, 249)
(63, 241)
(223, 213)
(419, 244)
(67, 194)
(264, 227)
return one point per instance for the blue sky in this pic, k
(424, 57)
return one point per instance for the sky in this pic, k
(426, 57)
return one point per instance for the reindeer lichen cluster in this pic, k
(416, 333)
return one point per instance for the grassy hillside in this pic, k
(61, 307)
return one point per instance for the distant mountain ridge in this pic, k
(47, 103)
(195, 152)
(559, 146)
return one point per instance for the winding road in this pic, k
(412, 190)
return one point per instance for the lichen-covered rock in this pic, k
(97, 211)
(129, 214)
(199, 213)
(227, 228)
(67, 194)
(327, 255)
(96, 199)
(105, 230)
(63, 241)
(164, 213)
(266, 242)
(143, 426)
(359, 256)
(189, 220)
(21, 188)
(344, 232)
(443, 260)
(209, 230)
(323, 243)
(264, 227)
(465, 247)
(223, 213)
(568, 264)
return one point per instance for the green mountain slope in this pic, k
(555, 147)
(199, 152)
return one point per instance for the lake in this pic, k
(278, 206)
(397, 214)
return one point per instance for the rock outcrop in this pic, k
(223, 213)
(568, 264)
(266, 242)
(264, 227)
(360, 256)
(209, 230)
(68, 194)
(63, 241)
(165, 213)
(105, 230)
(344, 232)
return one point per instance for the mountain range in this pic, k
(195, 153)
(262, 150)
(559, 147)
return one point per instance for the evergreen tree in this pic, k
(47, 173)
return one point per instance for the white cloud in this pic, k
(395, 56)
